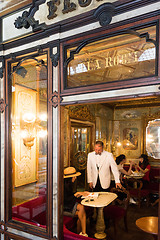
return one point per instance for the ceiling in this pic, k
(132, 103)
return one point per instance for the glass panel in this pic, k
(153, 138)
(29, 140)
(113, 59)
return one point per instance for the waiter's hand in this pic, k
(91, 185)
(118, 185)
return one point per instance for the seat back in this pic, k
(134, 185)
(123, 197)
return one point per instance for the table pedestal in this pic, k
(100, 225)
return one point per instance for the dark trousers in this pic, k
(98, 187)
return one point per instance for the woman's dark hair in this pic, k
(145, 162)
(120, 158)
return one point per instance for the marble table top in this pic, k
(103, 199)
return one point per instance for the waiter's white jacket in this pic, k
(106, 163)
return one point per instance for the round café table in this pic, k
(135, 175)
(103, 199)
(149, 225)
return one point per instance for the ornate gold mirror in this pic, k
(153, 138)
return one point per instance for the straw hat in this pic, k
(71, 172)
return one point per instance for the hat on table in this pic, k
(71, 172)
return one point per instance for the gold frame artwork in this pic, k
(24, 155)
(131, 138)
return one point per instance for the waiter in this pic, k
(99, 164)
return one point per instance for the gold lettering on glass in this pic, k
(117, 58)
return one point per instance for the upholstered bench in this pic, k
(34, 212)
(30, 210)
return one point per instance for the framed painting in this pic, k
(131, 138)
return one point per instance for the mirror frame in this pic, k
(147, 119)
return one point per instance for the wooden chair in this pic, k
(118, 209)
(135, 188)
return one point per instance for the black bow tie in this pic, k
(97, 153)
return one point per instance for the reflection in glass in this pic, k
(112, 59)
(29, 140)
(153, 138)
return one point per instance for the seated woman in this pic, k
(121, 160)
(144, 167)
(71, 206)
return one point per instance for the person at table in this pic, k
(144, 167)
(71, 206)
(120, 161)
(99, 163)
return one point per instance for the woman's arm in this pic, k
(79, 194)
(143, 170)
(129, 170)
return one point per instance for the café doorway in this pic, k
(81, 142)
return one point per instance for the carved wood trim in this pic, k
(27, 18)
(1, 68)
(104, 13)
(81, 113)
(143, 35)
(3, 227)
(2, 105)
(55, 98)
(66, 25)
(55, 57)
(84, 43)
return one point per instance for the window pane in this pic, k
(29, 140)
(113, 59)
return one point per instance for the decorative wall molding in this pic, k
(104, 13)
(143, 35)
(73, 52)
(3, 227)
(86, 17)
(27, 18)
(55, 57)
(1, 68)
(54, 99)
(83, 44)
(81, 112)
(2, 105)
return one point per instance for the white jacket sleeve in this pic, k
(114, 169)
(89, 169)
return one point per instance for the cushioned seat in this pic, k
(68, 235)
(69, 222)
(114, 211)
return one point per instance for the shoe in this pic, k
(83, 234)
(132, 201)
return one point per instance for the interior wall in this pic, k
(133, 119)
(115, 127)
(104, 127)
